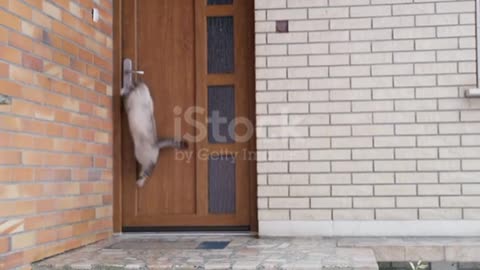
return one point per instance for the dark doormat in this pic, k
(213, 245)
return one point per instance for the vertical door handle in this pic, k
(128, 73)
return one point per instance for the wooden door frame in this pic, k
(117, 126)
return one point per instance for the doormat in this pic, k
(213, 245)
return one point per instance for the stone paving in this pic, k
(431, 249)
(243, 252)
(138, 251)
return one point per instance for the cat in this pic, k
(138, 105)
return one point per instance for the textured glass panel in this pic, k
(221, 185)
(220, 2)
(220, 45)
(221, 114)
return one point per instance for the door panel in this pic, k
(194, 53)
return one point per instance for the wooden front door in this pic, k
(197, 56)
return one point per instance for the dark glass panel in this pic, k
(221, 114)
(220, 45)
(221, 185)
(220, 2)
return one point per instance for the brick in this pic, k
(311, 214)
(309, 167)
(393, 45)
(330, 155)
(308, 96)
(395, 190)
(413, 9)
(324, 13)
(273, 215)
(329, 83)
(438, 117)
(439, 189)
(352, 166)
(393, 117)
(436, 44)
(349, 71)
(354, 214)
(396, 214)
(350, 47)
(370, 11)
(374, 202)
(372, 130)
(415, 178)
(436, 68)
(417, 202)
(454, 7)
(306, 3)
(285, 38)
(272, 191)
(373, 178)
(376, 34)
(414, 33)
(352, 190)
(331, 178)
(429, 20)
(289, 203)
(287, 155)
(440, 214)
(352, 118)
(308, 25)
(456, 31)
(359, 142)
(460, 201)
(311, 48)
(309, 143)
(288, 179)
(416, 153)
(308, 191)
(286, 14)
(328, 60)
(331, 202)
(350, 23)
(456, 55)
(308, 72)
(286, 61)
(393, 93)
(457, 152)
(268, 4)
(415, 105)
(436, 92)
(438, 165)
(373, 58)
(393, 22)
(394, 166)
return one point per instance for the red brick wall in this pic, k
(56, 136)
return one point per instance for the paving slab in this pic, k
(242, 252)
(432, 249)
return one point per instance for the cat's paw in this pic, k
(141, 182)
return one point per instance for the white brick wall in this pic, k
(361, 114)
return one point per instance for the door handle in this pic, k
(128, 73)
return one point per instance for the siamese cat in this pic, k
(139, 108)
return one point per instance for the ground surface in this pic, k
(242, 252)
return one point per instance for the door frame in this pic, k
(117, 126)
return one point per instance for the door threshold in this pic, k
(212, 233)
(196, 230)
